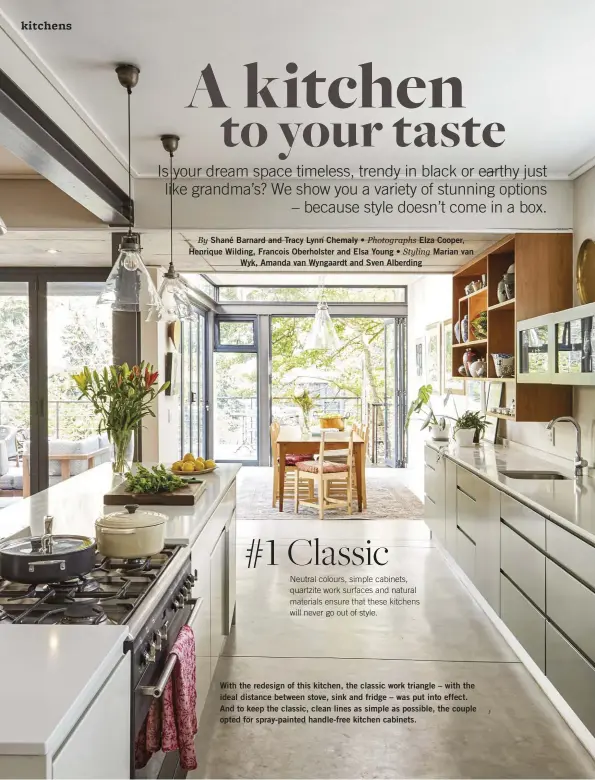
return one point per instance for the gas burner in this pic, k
(85, 584)
(85, 612)
(130, 565)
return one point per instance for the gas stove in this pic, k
(109, 594)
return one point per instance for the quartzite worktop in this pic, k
(528, 546)
(66, 694)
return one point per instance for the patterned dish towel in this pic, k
(171, 723)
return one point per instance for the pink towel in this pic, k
(171, 723)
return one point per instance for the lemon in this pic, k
(200, 460)
(188, 466)
(177, 466)
(198, 466)
(188, 457)
(210, 464)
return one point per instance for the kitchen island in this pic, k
(526, 550)
(66, 705)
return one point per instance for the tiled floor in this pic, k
(515, 732)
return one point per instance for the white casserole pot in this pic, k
(130, 533)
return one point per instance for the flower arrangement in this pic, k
(121, 396)
(306, 403)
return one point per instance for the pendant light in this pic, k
(129, 287)
(323, 334)
(173, 291)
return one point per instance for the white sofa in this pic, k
(68, 458)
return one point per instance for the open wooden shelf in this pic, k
(473, 294)
(543, 283)
(504, 306)
(470, 343)
(511, 417)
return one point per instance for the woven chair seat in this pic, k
(313, 466)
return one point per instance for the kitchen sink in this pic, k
(533, 475)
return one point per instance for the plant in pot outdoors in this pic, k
(121, 396)
(439, 428)
(306, 403)
(469, 428)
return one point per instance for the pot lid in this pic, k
(132, 517)
(53, 545)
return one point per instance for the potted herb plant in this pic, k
(469, 428)
(439, 428)
(121, 396)
(306, 403)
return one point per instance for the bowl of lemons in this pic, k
(190, 467)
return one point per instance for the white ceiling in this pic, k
(526, 64)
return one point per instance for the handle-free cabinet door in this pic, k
(230, 605)
(218, 593)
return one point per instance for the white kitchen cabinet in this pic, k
(99, 745)
(230, 600)
(434, 496)
(218, 602)
(201, 627)
(450, 506)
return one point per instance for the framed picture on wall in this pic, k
(433, 355)
(456, 386)
(419, 357)
(474, 394)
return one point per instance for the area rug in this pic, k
(388, 499)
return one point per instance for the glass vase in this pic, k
(122, 451)
(306, 425)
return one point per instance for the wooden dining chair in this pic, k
(290, 471)
(337, 489)
(322, 472)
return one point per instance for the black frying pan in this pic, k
(46, 558)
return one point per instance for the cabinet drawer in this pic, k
(523, 564)
(574, 553)
(473, 486)
(467, 509)
(572, 675)
(571, 606)
(525, 520)
(430, 456)
(466, 554)
(525, 622)
(430, 481)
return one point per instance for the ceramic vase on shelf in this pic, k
(469, 357)
(457, 330)
(502, 291)
(504, 364)
(465, 329)
(478, 368)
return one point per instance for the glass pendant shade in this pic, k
(323, 334)
(129, 287)
(174, 296)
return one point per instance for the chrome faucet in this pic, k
(579, 462)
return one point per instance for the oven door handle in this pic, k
(156, 691)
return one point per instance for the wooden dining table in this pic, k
(292, 442)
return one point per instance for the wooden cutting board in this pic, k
(184, 496)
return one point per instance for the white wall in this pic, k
(160, 434)
(534, 434)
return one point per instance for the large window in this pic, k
(236, 390)
(312, 294)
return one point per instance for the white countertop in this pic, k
(50, 675)
(569, 502)
(77, 502)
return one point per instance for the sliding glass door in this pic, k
(235, 375)
(194, 404)
(391, 419)
(79, 334)
(51, 328)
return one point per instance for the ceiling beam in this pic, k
(28, 132)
